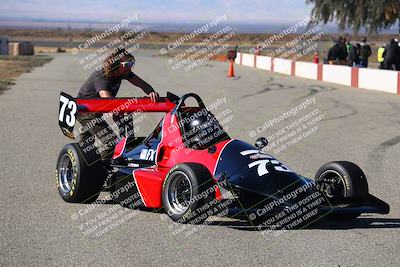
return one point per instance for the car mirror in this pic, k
(261, 143)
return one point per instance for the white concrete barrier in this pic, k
(263, 62)
(248, 60)
(283, 66)
(337, 74)
(381, 80)
(306, 70)
(238, 58)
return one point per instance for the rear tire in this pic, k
(338, 180)
(79, 177)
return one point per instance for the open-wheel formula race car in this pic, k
(190, 167)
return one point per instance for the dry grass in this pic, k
(12, 67)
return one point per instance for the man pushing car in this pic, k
(105, 83)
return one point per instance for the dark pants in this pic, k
(390, 65)
(351, 63)
(382, 65)
(96, 128)
(364, 62)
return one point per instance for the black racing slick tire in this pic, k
(79, 177)
(187, 192)
(341, 180)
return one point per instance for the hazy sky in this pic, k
(241, 11)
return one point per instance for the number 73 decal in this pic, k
(67, 110)
(263, 160)
(67, 114)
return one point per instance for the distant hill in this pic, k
(27, 23)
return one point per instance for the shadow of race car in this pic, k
(191, 168)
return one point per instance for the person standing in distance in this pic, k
(365, 53)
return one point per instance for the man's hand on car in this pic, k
(153, 96)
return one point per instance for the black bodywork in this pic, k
(270, 180)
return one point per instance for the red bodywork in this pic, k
(143, 104)
(170, 151)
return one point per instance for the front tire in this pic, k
(186, 193)
(341, 180)
(79, 179)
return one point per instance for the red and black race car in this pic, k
(191, 168)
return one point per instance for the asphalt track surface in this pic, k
(38, 228)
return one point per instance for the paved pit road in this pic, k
(38, 228)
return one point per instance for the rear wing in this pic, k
(70, 107)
